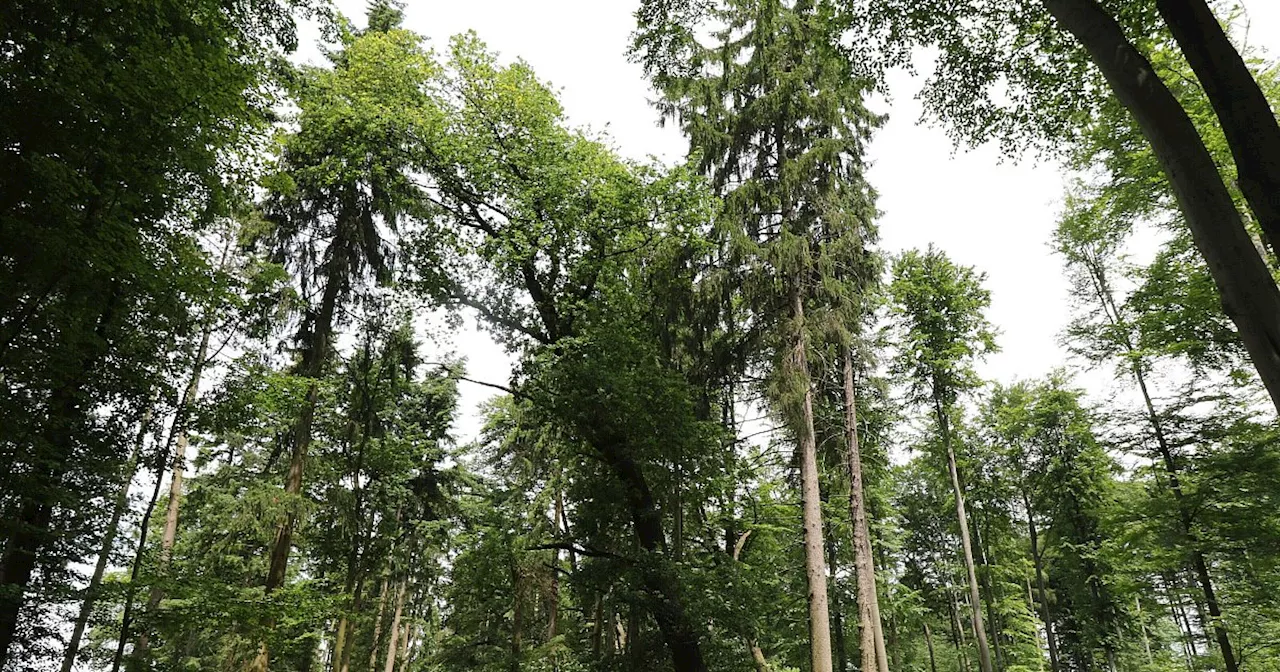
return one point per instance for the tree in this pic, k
(343, 180)
(122, 135)
(774, 113)
(939, 307)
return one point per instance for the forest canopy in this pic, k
(738, 434)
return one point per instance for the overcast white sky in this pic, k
(993, 214)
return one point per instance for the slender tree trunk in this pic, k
(979, 630)
(517, 616)
(837, 614)
(868, 595)
(1243, 111)
(177, 468)
(108, 542)
(377, 626)
(1038, 559)
(1142, 625)
(957, 633)
(1249, 294)
(144, 526)
(928, 642)
(343, 661)
(984, 579)
(810, 495)
(394, 631)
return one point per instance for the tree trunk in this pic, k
(390, 665)
(144, 526)
(979, 630)
(1142, 625)
(928, 642)
(1038, 559)
(1243, 110)
(312, 366)
(810, 495)
(27, 536)
(377, 626)
(108, 542)
(984, 579)
(1249, 294)
(517, 616)
(837, 614)
(177, 468)
(868, 594)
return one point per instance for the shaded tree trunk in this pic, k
(176, 468)
(928, 642)
(377, 625)
(1037, 559)
(1249, 293)
(108, 542)
(979, 630)
(394, 631)
(1243, 110)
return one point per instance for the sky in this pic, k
(983, 209)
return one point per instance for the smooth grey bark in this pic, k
(1249, 293)
(1243, 110)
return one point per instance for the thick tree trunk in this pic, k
(810, 494)
(979, 630)
(1243, 110)
(657, 575)
(26, 537)
(104, 553)
(868, 595)
(1038, 560)
(1249, 294)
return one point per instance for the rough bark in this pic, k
(1249, 293)
(27, 536)
(1243, 110)
(810, 495)
(104, 553)
(975, 599)
(868, 595)
(656, 574)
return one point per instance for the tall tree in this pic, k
(122, 121)
(342, 182)
(940, 305)
(774, 112)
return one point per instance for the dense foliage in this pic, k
(737, 435)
